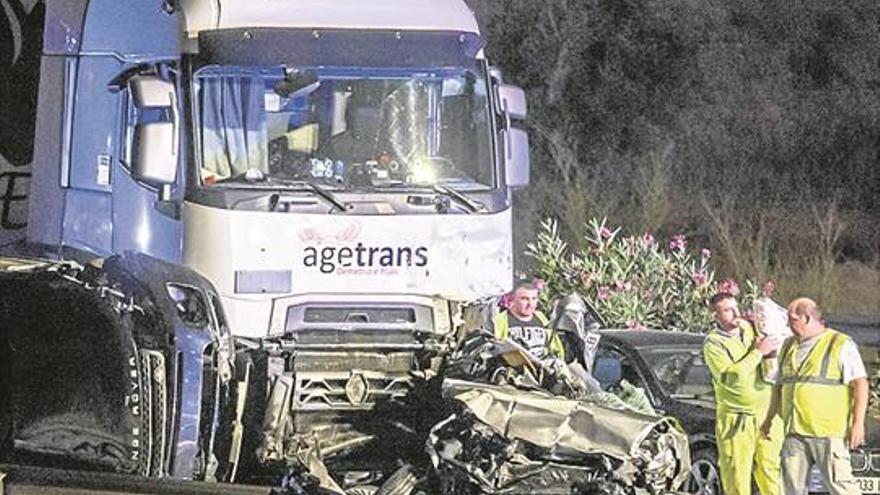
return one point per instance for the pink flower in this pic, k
(605, 232)
(729, 286)
(603, 293)
(706, 253)
(678, 243)
(648, 241)
(505, 300)
(622, 285)
(699, 278)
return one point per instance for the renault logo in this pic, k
(357, 388)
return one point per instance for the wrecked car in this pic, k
(505, 440)
(669, 366)
(517, 437)
(382, 404)
(382, 407)
(123, 366)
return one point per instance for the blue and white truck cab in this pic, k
(340, 172)
(288, 150)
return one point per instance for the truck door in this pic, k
(88, 223)
(106, 211)
(142, 221)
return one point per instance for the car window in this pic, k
(680, 371)
(611, 366)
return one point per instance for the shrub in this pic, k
(633, 281)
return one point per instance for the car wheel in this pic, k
(704, 478)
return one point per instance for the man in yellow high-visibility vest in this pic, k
(733, 353)
(525, 325)
(822, 396)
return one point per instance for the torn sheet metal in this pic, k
(642, 450)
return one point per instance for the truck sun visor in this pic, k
(257, 46)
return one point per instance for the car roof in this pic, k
(865, 332)
(654, 338)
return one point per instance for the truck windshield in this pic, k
(344, 127)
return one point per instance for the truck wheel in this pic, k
(704, 478)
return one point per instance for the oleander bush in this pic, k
(634, 281)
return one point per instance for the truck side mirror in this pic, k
(515, 154)
(511, 101)
(154, 151)
(154, 160)
(151, 91)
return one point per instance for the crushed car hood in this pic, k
(570, 428)
(554, 422)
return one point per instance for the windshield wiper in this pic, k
(292, 185)
(328, 196)
(471, 205)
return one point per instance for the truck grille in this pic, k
(359, 315)
(154, 422)
(346, 390)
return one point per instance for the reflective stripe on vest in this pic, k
(815, 400)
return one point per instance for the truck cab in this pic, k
(339, 152)
(341, 174)
(284, 149)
